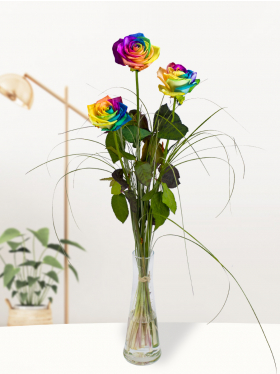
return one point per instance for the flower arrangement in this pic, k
(30, 278)
(144, 156)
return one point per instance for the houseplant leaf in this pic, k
(52, 274)
(58, 248)
(132, 200)
(74, 244)
(14, 293)
(8, 235)
(20, 284)
(118, 177)
(23, 296)
(21, 249)
(168, 198)
(31, 263)
(32, 280)
(14, 245)
(120, 207)
(42, 235)
(74, 271)
(42, 284)
(9, 273)
(49, 260)
(116, 188)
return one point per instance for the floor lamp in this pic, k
(18, 89)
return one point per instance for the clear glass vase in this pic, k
(142, 339)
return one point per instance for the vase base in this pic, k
(140, 358)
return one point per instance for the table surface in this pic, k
(218, 348)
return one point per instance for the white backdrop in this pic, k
(234, 47)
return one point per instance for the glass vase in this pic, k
(142, 339)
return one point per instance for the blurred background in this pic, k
(234, 47)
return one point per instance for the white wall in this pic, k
(235, 48)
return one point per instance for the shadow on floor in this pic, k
(171, 336)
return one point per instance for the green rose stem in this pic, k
(167, 143)
(119, 154)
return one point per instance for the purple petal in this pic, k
(116, 53)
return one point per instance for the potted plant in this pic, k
(32, 274)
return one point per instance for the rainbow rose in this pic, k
(177, 80)
(108, 114)
(135, 51)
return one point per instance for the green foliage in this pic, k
(58, 248)
(127, 155)
(116, 188)
(118, 177)
(21, 249)
(168, 198)
(110, 142)
(20, 284)
(52, 261)
(171, 177)
(14, 293)
(150, 194)
(42, 235)
(42, 284)
(168, 129)
(32, 280)
(34, 264)
(130, 133)
(120, 208)
(144, 172)
(159, 209)
(14, 245)
(74, 271)
(52, 274)
(9, 234)
(74, 244)
(23, 296)
(9, 273)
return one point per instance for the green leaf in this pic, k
(120, 207)
(14, 245)
(159, 210)
(116, 188)
(31, 263)
(74, 244)
(21, 249)
(132, 200)
(166, 128)
(1, 275)
(58, 248)
(144, 172)
(8, 235)
(20, 284)
(32, 280)
(51, 299)
(128, 156)
(53, 287)
(143, 119)
(23, 296)
(118, 177)
(37, 293)
(14, 293)
(9, 285)
(130, 133)
(110, 142)
(9, 273)
(42, 284)
(151, 193)
(42, 235)
(49, 260)
(52, 274)
(74, 271)
(168, 198)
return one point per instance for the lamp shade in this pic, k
(17, 89)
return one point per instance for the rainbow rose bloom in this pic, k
(177, 80)
(135, 51)
(108, 114)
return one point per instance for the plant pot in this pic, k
(22, 315)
